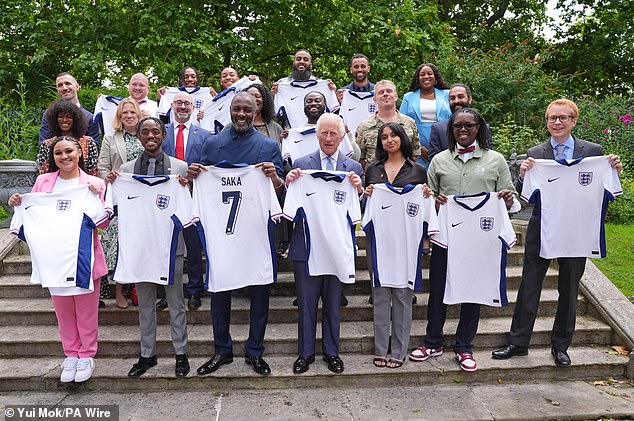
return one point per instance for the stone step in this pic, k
(18, 285)
(281, 338)
(42, 374)
(39, 311)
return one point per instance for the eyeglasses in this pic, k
(181, 103)
(562, 118)
(464, 126)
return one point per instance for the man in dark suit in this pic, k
(561, 118)
(459, 97)
(151, 133)
(185, 141)
(330, 133)
(67, 88)
(241, 143)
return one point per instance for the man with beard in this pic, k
(241, 143)
(459, 98)
(359, 69)
(356, 98)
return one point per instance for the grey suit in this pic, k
(570, 270)
(146, 291)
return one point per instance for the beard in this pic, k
(304, 75)
(243, 129)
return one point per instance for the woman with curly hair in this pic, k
(67, 119)
(264, 112)
(427, 102)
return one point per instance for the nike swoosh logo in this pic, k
(350, 109)
(296, 141)
(550, 180)
(221, 107)
(310, 194)
(455, 225)
(132, 197)
(385, 207)
(294, 98)
(30, 206)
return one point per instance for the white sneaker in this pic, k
(69, 368)
(85, 366)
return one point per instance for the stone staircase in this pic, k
(31, 353)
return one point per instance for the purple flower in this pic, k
(607, 131)
(626, 119)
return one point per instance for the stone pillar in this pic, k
(16, 176)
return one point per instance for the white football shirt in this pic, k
(328, 206)
(289, 100)
(236, 206)
(152, 211)
(217, 111)
(58, 228)
(303, 141)
(201, 96)
(573, 196)
(106, 108)
(356, 107)
(477, 233)
(396, 221)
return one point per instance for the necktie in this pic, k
(560, 151)
(329, 165)
(466, 150)
(180, 143)
(151, 167)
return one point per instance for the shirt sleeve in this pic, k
(185, 203)
(293, 200)
(429, 206)
(531, 182)
(507, 233)
(110, 199)
(274, 203)
(346, 147)
(18, 218)
(354, 207)
(441, 237)
(93, 208)
(369, 209)
(611, 180)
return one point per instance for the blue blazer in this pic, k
(312, 161)
(195, 140)
(411, 107)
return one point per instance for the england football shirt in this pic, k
(328, 206)
(356, 107)
(397, 220)
(573, 197)
(217, 111)
(152, 211)
(477, 233)
(303, 141)
(236, 206)
(106, 108)
(201, 96)
(58, 228)
(289, 100)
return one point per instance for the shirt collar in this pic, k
(187, 124)
(322, 156)
(570, 142)
(475, 154)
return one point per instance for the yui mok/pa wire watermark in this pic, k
(61, 412)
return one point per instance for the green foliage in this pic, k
(510, 137)
(621, 211)
(618, 265)
(505, 80)
(19, 127)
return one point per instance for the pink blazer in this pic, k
(46, 182)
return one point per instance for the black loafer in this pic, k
(335, 364)
(510, 351)
(194, 302)
(344, 300)
(161, 304)
(302, 364)
(562, 359)
(259, 365)
(214, 364)
(142, 366)
(182, 365)
(295, 304)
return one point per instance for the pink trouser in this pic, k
(77, 322)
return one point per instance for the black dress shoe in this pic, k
(142, 366)
(194, 302)
(214, 364)
(414, 299)
(302, 364)
(562, 359)
(182, 365)
(161, 304)
(344, 300)
(509, 351)
(295, 302)
(259, 365)
(335, 364)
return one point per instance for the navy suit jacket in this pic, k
(313, 162)
(93, 127)
(438, 141)
(195, 140)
